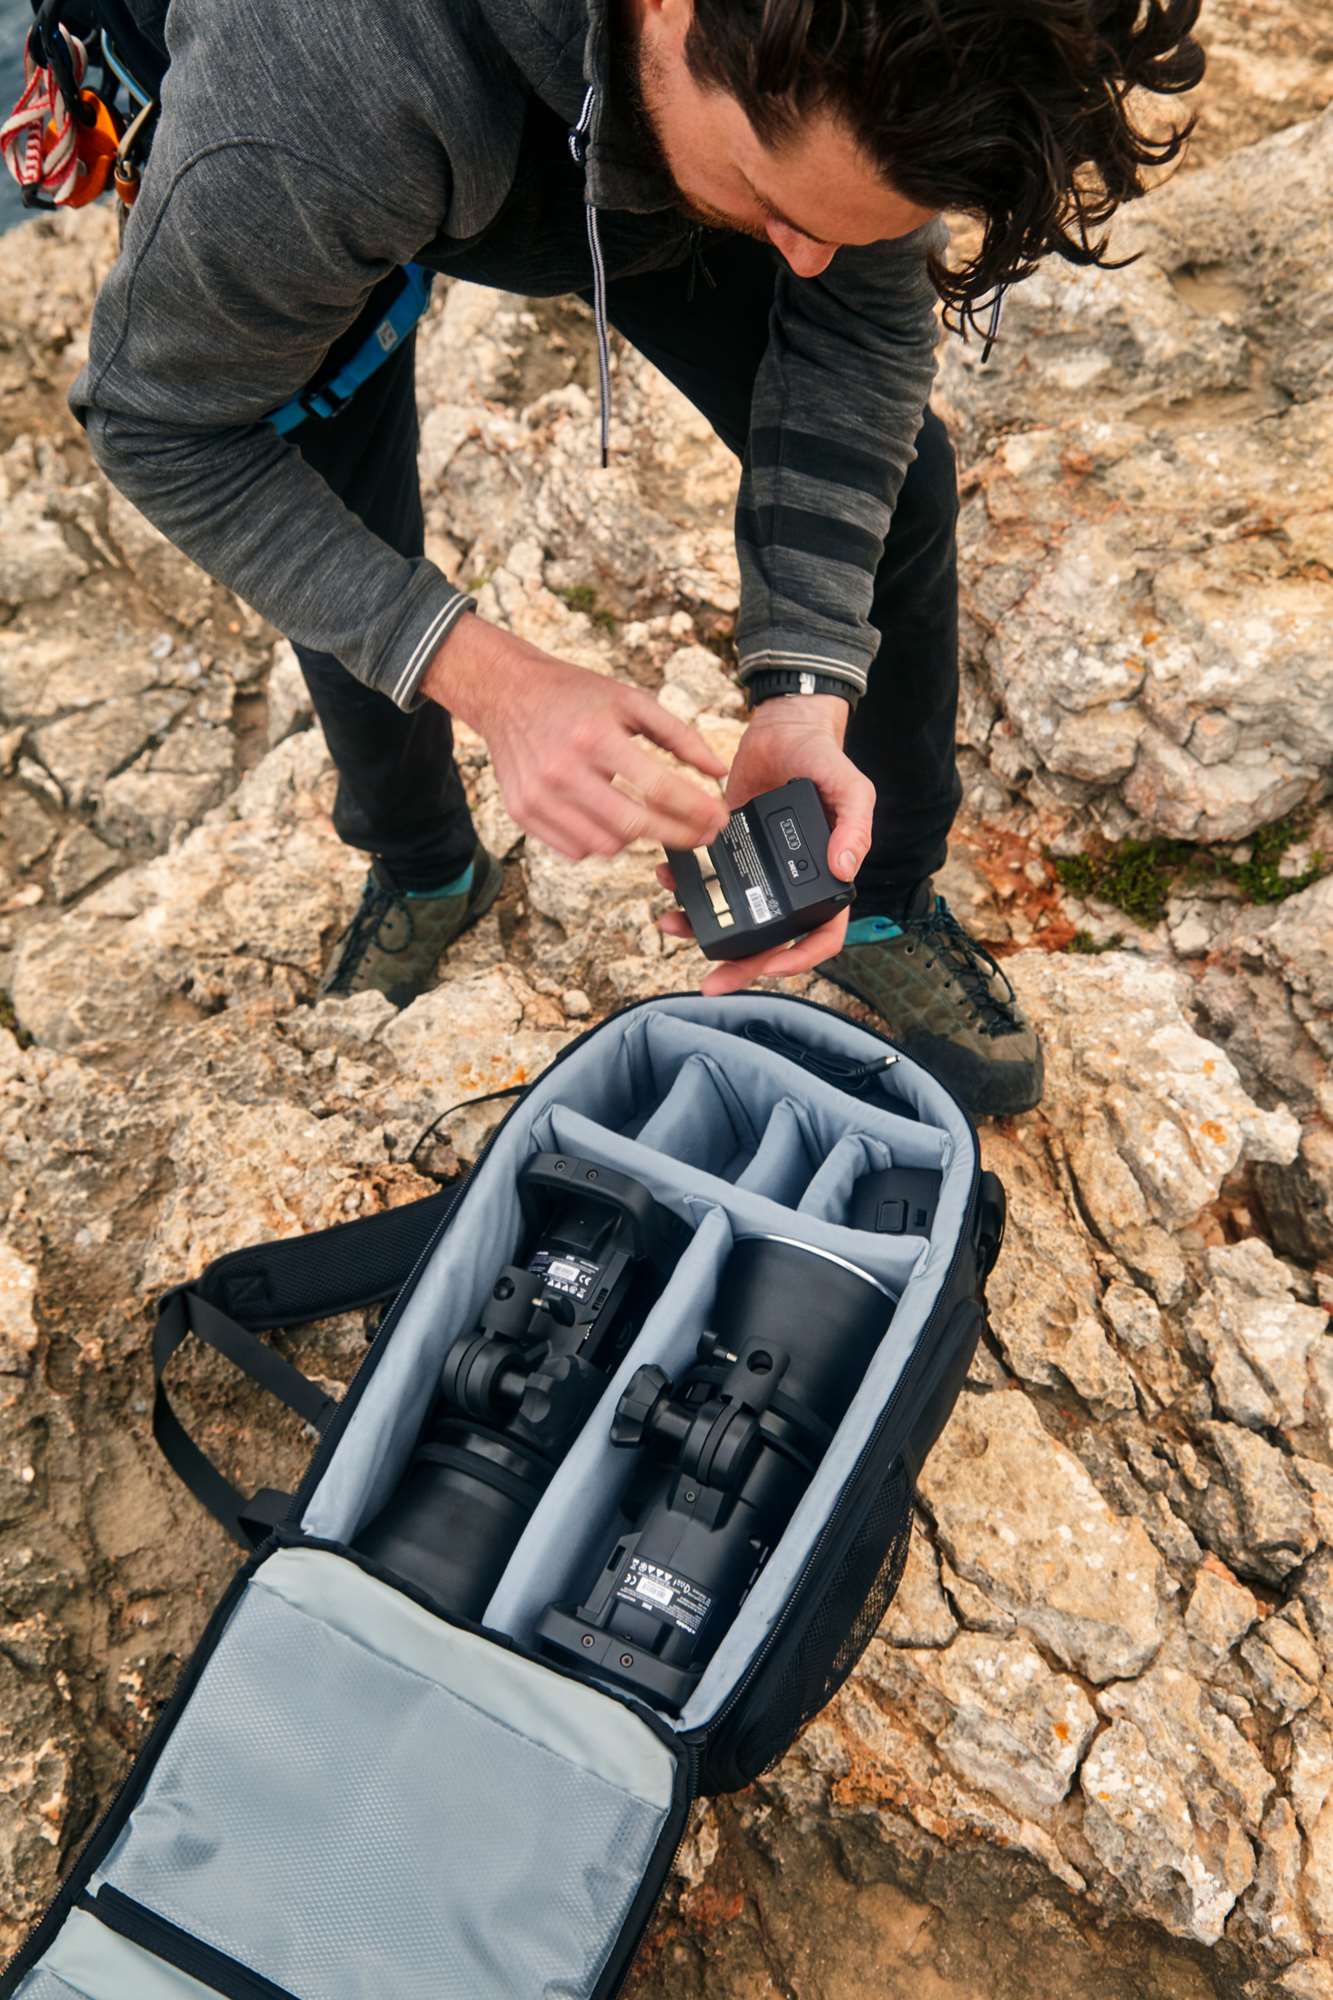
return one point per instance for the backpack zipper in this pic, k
(177, 1947)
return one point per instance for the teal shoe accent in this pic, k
(458, 887)
(396, 941)
(872, 930)
(946, 1001)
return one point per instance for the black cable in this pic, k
(841, 1071)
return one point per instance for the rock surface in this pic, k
(1097, 1718)
(1147, 530)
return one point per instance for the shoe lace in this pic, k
(972, 965)
(363, 931)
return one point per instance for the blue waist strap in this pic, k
(325, 399)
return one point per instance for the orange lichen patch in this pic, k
(1212, 1130)
(1210, 1064)
(1004, 858)
(708, 1907)
(1149, 638)
(1062, 1731)
(471, 1078)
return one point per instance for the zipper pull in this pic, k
(578, 135)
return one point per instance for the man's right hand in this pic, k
(558, 736)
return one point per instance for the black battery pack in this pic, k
(765, 880)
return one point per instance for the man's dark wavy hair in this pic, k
(1014, 111)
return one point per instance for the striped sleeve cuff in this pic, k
(794, 660)
(402, 679)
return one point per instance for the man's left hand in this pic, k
(795, 736)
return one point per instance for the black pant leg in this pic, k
(902, 735)
(399, 792)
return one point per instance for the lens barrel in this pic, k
(724, 1459)
(516, 1391)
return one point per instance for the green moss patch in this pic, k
(1137, 876)
(582, 597)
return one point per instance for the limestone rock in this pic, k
(919, 1614)
(465, 1038)
(289, 706)
(171, 582)
(1261, 1517)
(1001, 1719)
(1043, 1299)
(863, 1760)
(1298, 944)
(1273, 1903)
(1269, 1356)
(1225, 1778)
(240, 906)
(18, 1326)
(1019, 1518)
(80, 860)
(1137, 1822)
(47, 674)
(693, 682)
(1309, 1979)
(1284, 1660)
(82, 751)
(1138, 555)
(1220, 1611)
(1153, 1117)
(37, 561)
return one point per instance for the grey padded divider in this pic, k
(701, 1121)
(785, 1157)
(760, 1077)
(89, 1962)
(431, 1817)
(567, 1539)
(689, 1190)
(829, 1192)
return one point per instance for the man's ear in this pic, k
(670, 19)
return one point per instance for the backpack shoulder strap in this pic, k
(286, 1283)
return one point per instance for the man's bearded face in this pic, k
(808, 197)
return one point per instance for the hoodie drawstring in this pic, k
(578, 146)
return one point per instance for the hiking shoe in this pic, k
(395, 941)
(946, 1002)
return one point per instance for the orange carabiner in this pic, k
(95, 145)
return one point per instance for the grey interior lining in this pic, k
(429, 1816)
(785, 1157)
(570, 1721)
(593, 1097)
(93, 1963)
(690, 1190)
(700, 1122)
(828, 1195)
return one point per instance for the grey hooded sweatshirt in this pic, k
(305, 149)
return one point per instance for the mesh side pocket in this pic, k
(825, 1642)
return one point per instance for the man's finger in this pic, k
(660, 726)
(666, 792)
(610, 820)
(853, 803)
(666, 876)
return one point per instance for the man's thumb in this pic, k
(849, 842)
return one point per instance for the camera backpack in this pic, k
(354, 1792)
